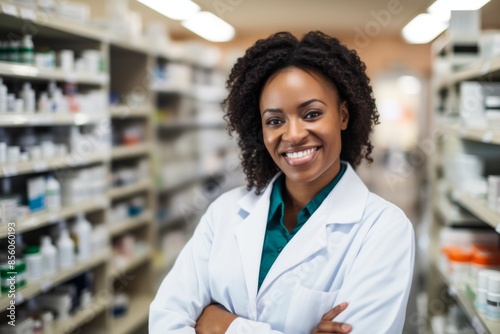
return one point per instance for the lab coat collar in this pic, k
(344, 205)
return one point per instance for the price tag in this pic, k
(40, 166)
(27, 14)
(9, 170)
(32, 221)
(9, 9)
(46, 286)
(53, 217)
(487, 137)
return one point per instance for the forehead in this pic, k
(297, 83)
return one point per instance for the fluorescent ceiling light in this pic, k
(210, 27)
(442, 8)
(174, 9)
(423, 29)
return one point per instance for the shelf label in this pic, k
(46, 286)
(27, 14)
(32, 221)
(9, 9)
(42, 120)
(485, 69)
(487, 137)
(9, 171)
(53, 217)
(40, 166)
(19, 298)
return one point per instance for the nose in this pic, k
(295, 131)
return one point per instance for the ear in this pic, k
(344, 115)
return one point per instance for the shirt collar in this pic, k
(276, 205)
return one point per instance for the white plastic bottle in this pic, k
(65, 249)
(52, 194)
(82, 233)
(49, 256)
(27, 54)
(3, 97)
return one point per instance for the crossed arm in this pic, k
(215, 319)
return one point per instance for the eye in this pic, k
(312, 114)
(274, 122)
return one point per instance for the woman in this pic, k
(305, 234)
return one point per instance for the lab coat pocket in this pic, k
(306, 309)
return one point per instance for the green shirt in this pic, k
(277, 235)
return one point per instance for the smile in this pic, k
(300, 157)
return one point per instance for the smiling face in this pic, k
(302, 118)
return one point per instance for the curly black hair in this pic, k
(316, 51)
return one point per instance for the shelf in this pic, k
(119, 228)
(123, 152)
(484, 135)
(69, 161)
(48, 119)
(132, 263)
(124, 112)
(34, 289)
(124, 191)
(81, 317)
(473, 71)
(452, 215)
(42, 219)
(191, 124)
(48, 24)
(28, 72)
(136, 315)
(478, 320)
(480, 209)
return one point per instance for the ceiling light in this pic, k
(442, 8)
(210, 27)
(423, 29)
(174, 9)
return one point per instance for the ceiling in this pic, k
(262, 17)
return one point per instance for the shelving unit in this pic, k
(128, 66)
(136, 316)
(46, 165)
(41, 219)
(453, 207)
(34, 289)
(478, 320)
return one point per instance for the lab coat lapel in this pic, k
(250, 237)
(344, 205)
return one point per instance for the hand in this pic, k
(327, 326)
(214, 319)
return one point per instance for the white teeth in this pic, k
(301, 154)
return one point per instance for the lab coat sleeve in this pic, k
(378, 285)
(184, 292)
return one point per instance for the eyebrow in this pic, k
(301, 106)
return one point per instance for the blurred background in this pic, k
(112, 145)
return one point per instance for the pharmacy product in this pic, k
(34, 264)
(493, 297)
(27, 51)
(36, 194)
(65, 249)
(49, 256)
(52, 194)
(82, 234)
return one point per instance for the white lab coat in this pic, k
(356, 247)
